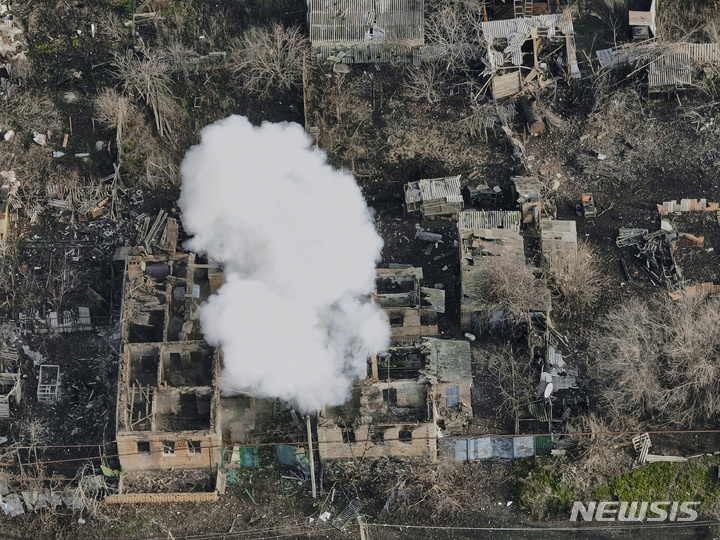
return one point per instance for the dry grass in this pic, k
(114, 111)
(267, 60)
(486, 117)
(601, 453)
(659, 361)
(111, 27)
(439, 490)
(20, 70)
(575, 279)
(149, 78)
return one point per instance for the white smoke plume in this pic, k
(299, 250)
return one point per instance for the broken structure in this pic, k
(10, 34)
(170, 411)
(10, 381)
(438, 197)
(529, 192)
(643, 22)
(366, 31)
(675, 67)
(507, 56)
(411, 309)
(414, 389)
(498, 242)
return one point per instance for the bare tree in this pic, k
(114, 111)
(659, 360)
(600, 450)
(149, 77)
(574, 277)
(270, 59)
(508, 283)
(61, 281)
(425, 82)
(455, 30)
(515, 378)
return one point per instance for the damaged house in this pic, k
(492, 245)
(411, 309)
(414, 389)
(366, 31)
(514, 47)
(10, 381)
(170, 410)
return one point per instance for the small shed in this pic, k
(436, 197)
(491, 446)
(558, 236)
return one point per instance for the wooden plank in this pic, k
(506, 85)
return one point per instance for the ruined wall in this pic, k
(132, 459)
(423, 443)
(465, 394)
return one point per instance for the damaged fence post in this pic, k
(312, 458)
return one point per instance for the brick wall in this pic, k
(131, 459)
(161, 498)
(423, 444)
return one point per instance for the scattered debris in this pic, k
(654, 254)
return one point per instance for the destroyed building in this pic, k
(10, 381)
(514, 46)
(366, 31)
(411, 309)
(437, 197)
(486, 239)
(171, 412)
(413, 389)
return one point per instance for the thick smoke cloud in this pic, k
(299, 250)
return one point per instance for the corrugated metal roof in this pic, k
(490, 446)
(504, 29)
(674, 68)
(491, 219)
(351, 21)
(621, 56)
(517, 31)
(447, 189)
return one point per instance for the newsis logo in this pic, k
(634, 511)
